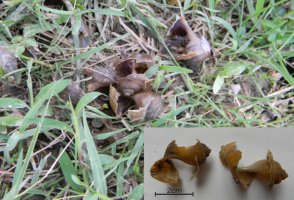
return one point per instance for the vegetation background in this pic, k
(52, 149)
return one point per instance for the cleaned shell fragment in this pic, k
(230, 157)
(193, 155)
(164, 170)
(267, 170)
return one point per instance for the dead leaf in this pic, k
(187, 46)
(193, 155)
(101, 77)
(73, 92)
(164, 170)
(149, 105)
(113, 99)
(268, 170)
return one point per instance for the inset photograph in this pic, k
(218, 164)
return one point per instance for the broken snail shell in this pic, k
(268, 170)
(130, 77)
(174, 2)
(101, 77)
(118, 103)
(132, 84)
(150, 105)
(193, 155)
(164, 170)
(72, 92)
(230, 157)
(8, 63)
(135, 63)
(188, 47)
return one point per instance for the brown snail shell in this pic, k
(193, 155)
(132, 84)
(73, 92)
(101, 77)
(187, 46)
(268, 170)
(164, 171)
(8, 63)
(149, 105)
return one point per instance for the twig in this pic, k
(281, 91)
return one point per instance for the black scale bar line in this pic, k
(176, 194)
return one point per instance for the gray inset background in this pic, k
(214, 181)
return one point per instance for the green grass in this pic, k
(49, 149)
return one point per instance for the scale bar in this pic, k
(175, 194)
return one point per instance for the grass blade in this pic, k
(137, 193)
(17, 186)
(175, 69)
(68, 170)
(95, 163)
(12, 103)
(227, 25)
(136, 150)
(44, 94)
(85, 100)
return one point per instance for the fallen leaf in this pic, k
(164, 170)
(113, 99)
(101, 77)
(187, 46)
(193, 155)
